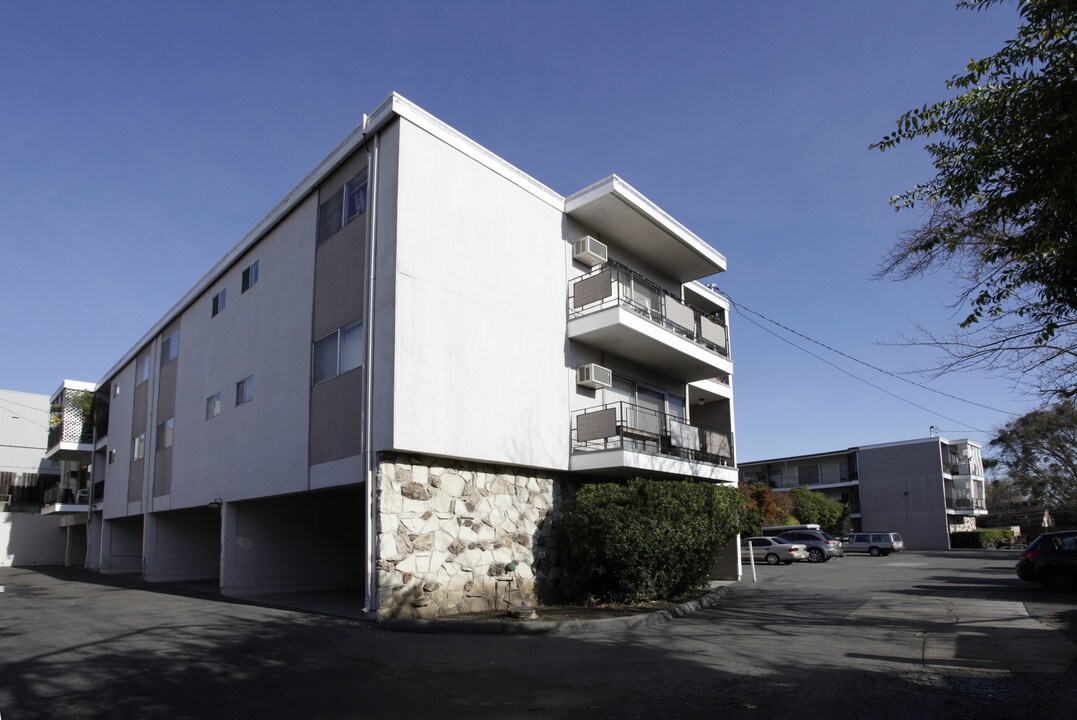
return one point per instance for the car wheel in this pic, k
(1057, 581)
(772, 559)
(875, 552)
(816, 555)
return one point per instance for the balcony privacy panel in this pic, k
(717, 443)
(681, 315)
(683, 435)
(592, 289)
(713, 333)
(596, 425)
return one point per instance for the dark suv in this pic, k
(821, 545)
(1051, 560)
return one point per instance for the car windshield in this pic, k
(827, 536)
(897, 537)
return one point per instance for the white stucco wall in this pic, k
(480, 368)
(259, 448)
(31, 539)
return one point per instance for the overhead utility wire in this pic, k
(15, 413)
(855, 377)
(867, 364)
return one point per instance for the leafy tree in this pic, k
(764, 507)
(1001, 211)
(812, 507)
(1002, 494)
(1039, 451)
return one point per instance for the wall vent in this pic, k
(594, 376)
(589, 251)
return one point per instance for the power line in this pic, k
(884, 371)
(855, 377)
(15, 413)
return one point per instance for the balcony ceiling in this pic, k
(624, 218)
(624, 333)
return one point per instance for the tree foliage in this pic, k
(763, 506)
(645, 539)
(1001, 211)
(812, 507)
(1039, 452)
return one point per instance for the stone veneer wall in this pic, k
(964, 524)
(448, 532)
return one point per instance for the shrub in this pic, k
(980, 538)
(644, 539)
(815, 508)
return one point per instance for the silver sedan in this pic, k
(772, 550)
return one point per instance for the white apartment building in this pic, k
(398, 373)
(925, 489)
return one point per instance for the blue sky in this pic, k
(149, 137)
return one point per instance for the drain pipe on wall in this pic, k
(370, 471)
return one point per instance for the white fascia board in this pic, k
(614, 185)
(393, 106)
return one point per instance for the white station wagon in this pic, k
(873, 543)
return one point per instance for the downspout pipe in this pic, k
(370, 471)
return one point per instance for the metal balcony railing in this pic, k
(65, 495)
(965, 503)
(613, 285)
(965, 468)
(623, 425)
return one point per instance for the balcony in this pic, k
(71, 431)
(965, 467)
(616, 309)
(966, 505)
(61, 498)
(623, 439)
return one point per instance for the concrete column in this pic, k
(229, 524)
(728, 567)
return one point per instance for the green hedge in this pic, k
(644, 539)
(980, 538)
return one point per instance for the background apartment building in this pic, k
(396, 375)
(924, 489)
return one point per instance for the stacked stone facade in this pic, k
(456, 538)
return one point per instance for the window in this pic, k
(245, 390)
(337, 353)
(169, 347)
(250, 277)
(213, 406)
(355, 197)
(218, 302)
(342, 206)
(138, 447)
(165, 433)
(331, 216)
(111, 456)
(143, 370)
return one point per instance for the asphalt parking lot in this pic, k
(913, 635)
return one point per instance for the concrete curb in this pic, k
(554, 627)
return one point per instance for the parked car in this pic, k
(772, 550)
(1051, 560)
(874, 544)
(821, 545)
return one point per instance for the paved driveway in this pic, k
(914, 635)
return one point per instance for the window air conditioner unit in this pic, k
(589, 251)
(594, 376)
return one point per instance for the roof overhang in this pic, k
(623, 217)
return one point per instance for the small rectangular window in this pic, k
(250, 277)
(326, 358)
(111, 456)
(331, 216)
(213, 406)
(355, 197)
(218, 302)
(138, 447)
(170, 347)
(351, 347)
(245, 390)
(143, 369)
(165, 433)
